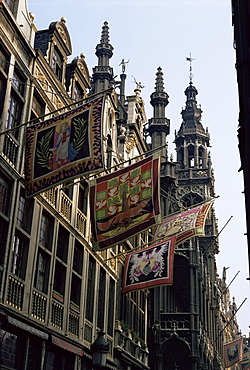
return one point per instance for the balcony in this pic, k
(124, 344)
(39, 303)
(66, 206)
(15, 293)
(81, 222)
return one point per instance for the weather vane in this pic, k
(190, 59)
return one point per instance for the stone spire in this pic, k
(159, 124)
(159, 98)
(103, 73)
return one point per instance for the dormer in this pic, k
(77, 78)
(55, 44)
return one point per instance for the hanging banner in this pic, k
(149, 267)
(184, 225)
(245, 364)
(233, 352)
(125, 202)
(64, 147)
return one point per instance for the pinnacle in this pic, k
(105, 33)
(159, 84)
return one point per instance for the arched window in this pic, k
(200, 155)
(190, 156)
(181, 157)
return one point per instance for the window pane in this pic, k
(42, 271)
(9, 350)
(14, 114)
(75, 290)
(4, 195)
(18, 83)
(62, 244)
(59, 278)
(57, 64)
(3, 237)
(19, 257)
(78, 258)
(46, 231)
(24, 213)
(90, 289)
(101, 298)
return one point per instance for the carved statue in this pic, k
(123, 64)
(138, 84)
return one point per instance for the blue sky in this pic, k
(163, 33)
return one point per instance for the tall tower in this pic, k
(192, 142)
(103, 73)
(159, 124)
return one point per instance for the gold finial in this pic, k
(32, 16)
(63, 20)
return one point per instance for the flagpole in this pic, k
(225, 225)
(194, 206)
(231, 319)
(232, 280)
(55, 111)
(115, 166)
(218, 235)
(159, 238)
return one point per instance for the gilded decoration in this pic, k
(131, 143)
(40, 76)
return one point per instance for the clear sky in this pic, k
(153, 33)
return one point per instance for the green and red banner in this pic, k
(184, 225)
(64, 147)
(125, 202)
(149, 267)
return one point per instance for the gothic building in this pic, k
(184, 317)
(56, 291)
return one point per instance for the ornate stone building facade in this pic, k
(56, 292)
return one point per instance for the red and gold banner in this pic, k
(64, 147)
(184, 225)
(125, 202)
(149, 267)
(233, 352)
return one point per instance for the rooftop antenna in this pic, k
(190, 59)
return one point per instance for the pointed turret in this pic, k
(195, 177)
(103, 73)
(191, 114)
(192, 140)
(159, 124)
